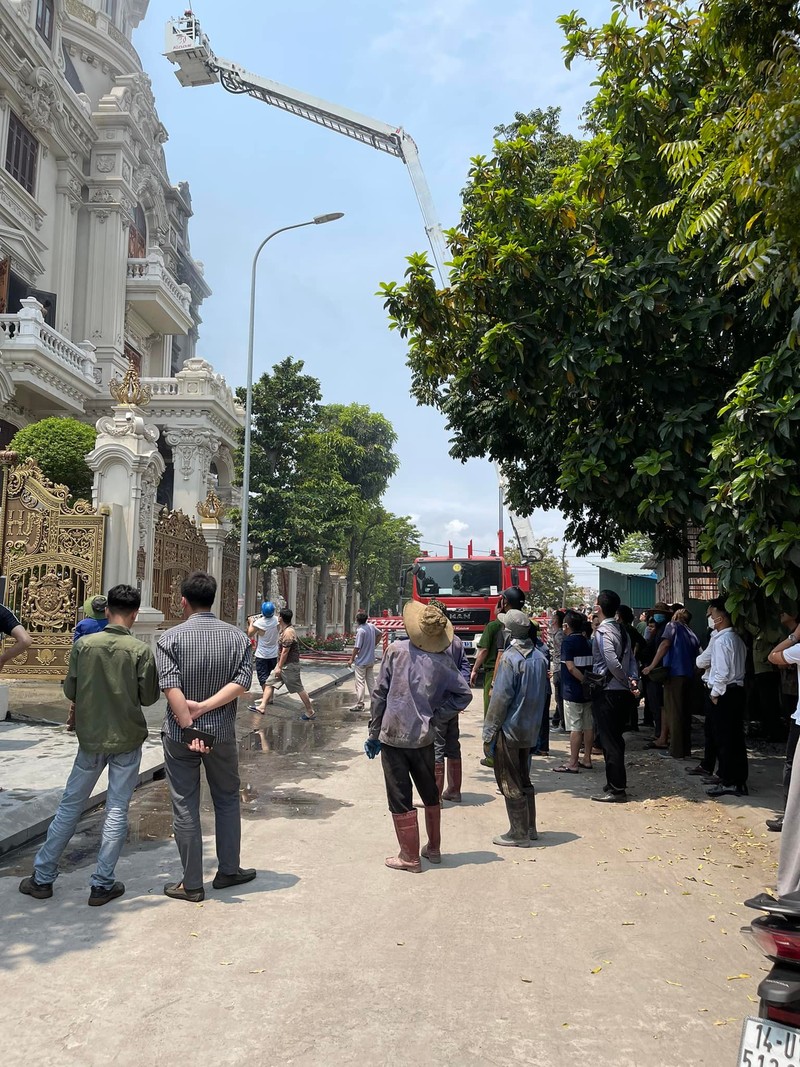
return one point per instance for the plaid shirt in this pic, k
(199, 657)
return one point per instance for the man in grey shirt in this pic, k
(614, 662)
(204, 666)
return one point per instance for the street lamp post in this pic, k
(245, 524)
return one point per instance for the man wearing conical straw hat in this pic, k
(419, 685)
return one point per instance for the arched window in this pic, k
(137, 237)
(44, 19)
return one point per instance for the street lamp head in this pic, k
(332, 217)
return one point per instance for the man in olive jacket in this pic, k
(111, 677)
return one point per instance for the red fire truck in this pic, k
(469, 587)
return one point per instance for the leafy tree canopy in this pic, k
(636, 548)
(625, 309)
(60, 447)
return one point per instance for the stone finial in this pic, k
(8, 457)
(211, 509)
(129, 392)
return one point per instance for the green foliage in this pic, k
(390, 542)
(60, 447)
(625, 309)
(636, 548)
(547, 578)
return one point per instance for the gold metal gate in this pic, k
(179, 549)
(229, 594)
(51, 555)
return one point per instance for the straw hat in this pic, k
(426, 626)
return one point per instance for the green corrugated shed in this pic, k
(635, 586)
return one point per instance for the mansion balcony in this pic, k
(157, 297)
(197, 399)
(40, 367)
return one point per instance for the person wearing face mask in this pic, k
(708, 764)
(725, 685)
(654, 686)
(490, 646)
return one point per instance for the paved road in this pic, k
(615, 942)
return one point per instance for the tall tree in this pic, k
(391, 543)
(366, 461)
(597, 314)
(286, 410)
(636, 548)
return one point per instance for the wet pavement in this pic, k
(274, 752)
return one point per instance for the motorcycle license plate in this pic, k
(766, 1044)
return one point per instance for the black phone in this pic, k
(189, 734)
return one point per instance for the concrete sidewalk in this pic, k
(36, 752)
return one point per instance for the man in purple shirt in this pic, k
(419, 686)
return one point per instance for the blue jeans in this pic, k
(123, 776)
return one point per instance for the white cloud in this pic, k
(455, 528)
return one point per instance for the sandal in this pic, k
(586, 766)
(652, 744)
(565, 769)
(255, 708)
(308, 718)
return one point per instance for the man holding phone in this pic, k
(204, 666)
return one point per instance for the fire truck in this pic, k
(469, 586)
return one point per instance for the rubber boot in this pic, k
(438, 774)
(518, 832)
(532, 834)
(407, 829)
(453, 791)
(433, 824)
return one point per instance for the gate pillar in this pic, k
(127, 469)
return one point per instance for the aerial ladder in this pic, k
(189, 48)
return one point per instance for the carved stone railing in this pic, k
(162, 386)
(198, 382)
(153, 269)
(28, 328)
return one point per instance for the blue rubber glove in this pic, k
(372, 748)
(489, 747)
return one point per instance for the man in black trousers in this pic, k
(613, 661)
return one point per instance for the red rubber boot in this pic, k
(407, 829)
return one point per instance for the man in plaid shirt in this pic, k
(204, 666)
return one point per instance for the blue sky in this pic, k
(448, 71)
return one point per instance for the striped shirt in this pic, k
(199, 657)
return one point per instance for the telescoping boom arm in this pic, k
(189, 48)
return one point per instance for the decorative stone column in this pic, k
(68, 200)
(127, 469)
(192, 449)
(211, 512)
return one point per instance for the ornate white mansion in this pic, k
(97, 278)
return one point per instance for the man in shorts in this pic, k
(287, 672)
(264, 628)
(576, 657)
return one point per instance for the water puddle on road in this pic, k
(276, 751)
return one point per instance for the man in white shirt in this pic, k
(725, 685)
(363, 660)
(708, 764)
(787, 654)
(789, 684)
(264, 627)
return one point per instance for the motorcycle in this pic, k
(773, 1038)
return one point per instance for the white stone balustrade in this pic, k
(157, 296)
(41, 360)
